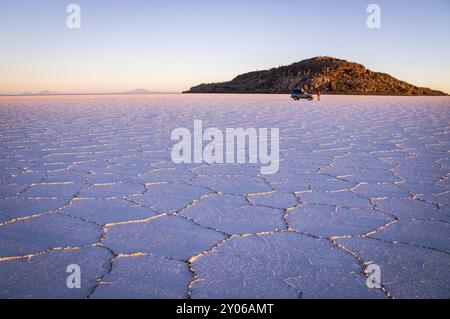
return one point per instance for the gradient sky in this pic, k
(172, 45)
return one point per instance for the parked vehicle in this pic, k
(299, 94)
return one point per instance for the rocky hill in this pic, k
(325, 74)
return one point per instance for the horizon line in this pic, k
(95, 93)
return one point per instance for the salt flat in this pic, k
(89, 180)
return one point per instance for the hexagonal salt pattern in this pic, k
(90, 181)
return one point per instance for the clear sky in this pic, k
(172, 45)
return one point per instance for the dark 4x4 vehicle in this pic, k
(298, 94)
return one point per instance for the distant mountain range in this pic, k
(325, 74)
(46, 92)
(142, 91)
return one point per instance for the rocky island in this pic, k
(325, 74)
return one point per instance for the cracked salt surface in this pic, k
(89, 181)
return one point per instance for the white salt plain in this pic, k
(89, 180)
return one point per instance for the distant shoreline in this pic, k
(190, 93)
(321, 94)
(76, 94)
